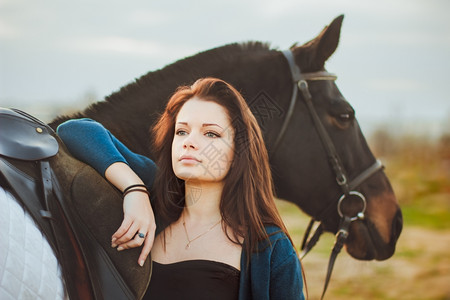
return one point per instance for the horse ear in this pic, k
(312, 55)
(328, 40)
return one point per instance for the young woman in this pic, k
(219, 234)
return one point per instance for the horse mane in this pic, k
(130, 111)
(180, 72)
(175, 71)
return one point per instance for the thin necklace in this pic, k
(188, 245)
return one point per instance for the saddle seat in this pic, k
(75, 208)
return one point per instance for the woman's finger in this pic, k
(148, 244)
(136, 241)
(123, 229)
(129, 235)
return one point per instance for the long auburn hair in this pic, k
(247, 201)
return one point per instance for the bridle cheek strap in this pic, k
(300, 83)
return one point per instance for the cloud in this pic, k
(7, 31)
(126, 46)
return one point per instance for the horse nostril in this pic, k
(397, 226)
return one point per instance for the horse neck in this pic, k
(267, 90)
(130, 112)
(252, 68)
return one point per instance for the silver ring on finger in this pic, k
(141, 235)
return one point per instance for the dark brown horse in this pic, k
(300, 160)
(300, 166)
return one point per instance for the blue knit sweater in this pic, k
(274, 271)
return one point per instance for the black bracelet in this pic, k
(135, 190)
(133, 186)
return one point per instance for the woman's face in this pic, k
(203, 144)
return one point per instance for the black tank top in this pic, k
(193, 279)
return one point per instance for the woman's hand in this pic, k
(138, 214)
(138, 218)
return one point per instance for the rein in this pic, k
(300, 82)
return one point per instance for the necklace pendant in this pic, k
(188, 245)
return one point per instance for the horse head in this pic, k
(302, 155)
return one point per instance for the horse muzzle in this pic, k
(370, 239)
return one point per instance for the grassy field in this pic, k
(420, 269)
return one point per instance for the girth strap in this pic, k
(50, 219)
(29, 189)
(47, 188)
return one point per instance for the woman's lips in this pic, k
(189, 159)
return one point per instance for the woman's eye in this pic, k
(181, 132)
(212, 134)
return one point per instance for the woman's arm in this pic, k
(91, 143)
(138, 213)
(286, 280)
(274, 271)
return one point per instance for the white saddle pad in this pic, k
(28, 266)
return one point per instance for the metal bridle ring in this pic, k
(359, 215)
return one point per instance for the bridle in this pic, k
(300, 82)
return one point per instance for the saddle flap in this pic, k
(99, 210)
(22, 137)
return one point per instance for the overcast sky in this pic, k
(393, 60)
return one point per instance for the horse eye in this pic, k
(346, 117)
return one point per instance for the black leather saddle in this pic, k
(24, 137)
(75, 208)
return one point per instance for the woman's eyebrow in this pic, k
(211, 124)
(203, 125)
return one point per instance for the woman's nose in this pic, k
(189, 143)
